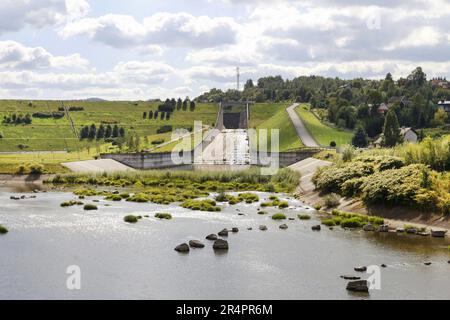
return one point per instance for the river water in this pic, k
(137, 261)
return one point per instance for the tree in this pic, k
(440, 117)
(249, 84)
(179, 104)
(192, 105)
(185, 104)
(144, 115)
(100, 132)
(84, 133)
(391, 131)
(150, 114)
(359, 139)
(92, 131)
(122, 132)
(115, 131)
(108, 131)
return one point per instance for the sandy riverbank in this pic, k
(395, 216)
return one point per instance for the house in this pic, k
(383, 108)
(408, 134)
(444, 105)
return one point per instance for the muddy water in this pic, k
(119, 260)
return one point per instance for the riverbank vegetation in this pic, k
(351, 220)
(163, 215)
(3, 229)
(387, 180)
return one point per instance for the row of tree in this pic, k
(102, 132)
(154, 115)
(17, 119)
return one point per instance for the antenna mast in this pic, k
(237, 78)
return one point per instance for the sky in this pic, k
(141, 49)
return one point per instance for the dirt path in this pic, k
(302, 132)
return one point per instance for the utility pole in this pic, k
(237, 78)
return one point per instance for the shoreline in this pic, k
(395, 217)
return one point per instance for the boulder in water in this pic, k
(361, 269)
(438, 233)
(358, 286)
(316, 227)
(211, 236)
(347, 277)
(283, 226)
(220, 244)
(182, 247)
(196, 244)
(262, 227)
(369, 227)
(234, 229)
(223, 233)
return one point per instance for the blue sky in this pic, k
(136, 49)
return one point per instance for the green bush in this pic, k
(163, 215)
(139, 197)
(262, 212)
(331, 200)
(304, 217)
(71, 203)
(283, 204)
(90, 207)
(279, 216)
(329, 222)
(130, 219)
(114, 197)
(3, 230)
(248, 197)
(202, 205)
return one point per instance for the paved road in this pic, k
(96, 166)
(307, 168)
(302, 132)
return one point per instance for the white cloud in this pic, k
(170, 29)
(14, 55)
(16, 14)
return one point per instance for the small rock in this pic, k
(361, 269)
(316, 227)
(427, 263)
(383, 265)
(249, 228)
(211, 236)
(223, 233)
(291, 218)
(14, 198)
(383, 228)
(262, 227)
(196, 244)
(399, 230)
(331, 228)
(438, 233)
(241, 214)
(369, 227)
(22, 197)
(350, 277)
(220, 244)
(283, 226)
(234, 229)
(358, 286)
(182, 247)
(423, 234)
(411, 231)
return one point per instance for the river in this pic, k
(137, 261)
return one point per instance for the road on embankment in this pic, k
(302, 132)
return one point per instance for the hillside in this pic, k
(56, 134)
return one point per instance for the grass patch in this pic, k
(3, 229)
(130, 218)
(304, 217)
(90, 207)
(163, 215)
(351, 220)
(71, 203)
(279, 216)
(321, 132)
(202, 205)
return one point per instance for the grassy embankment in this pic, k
(321, 132)
(57, 135)
(274, 116)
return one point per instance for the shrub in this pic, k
(202, 205)
(36, 168)
(130, 219)
(90, 207)
(139, 197)
(317, 206)
(71, 203)
(348, 153)
(331, 200)
(248, 197)
(283, 204)
(114, 197)
(3, 230)
(279, 216)
(262, 212)
(304, 217)
(354, 222)
(163, 215)
(333, 144)
(329, 222)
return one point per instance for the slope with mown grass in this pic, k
(274, 116)
(321, 132)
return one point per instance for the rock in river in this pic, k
(361, 269)
(211, 236)
(262, 228)
(223, 233)
(234, 229)
(316, 227)
(427, 263)
(438, 233)
(220, 244)
(196, 244)
(283, 226)
(358, 286)
(350, 277)
(182, 247)
(369, 227)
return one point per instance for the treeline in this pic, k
(165, 109)
(17, 119)
(102, 132)
(349, 103)
(48, 115)
(71, 109)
